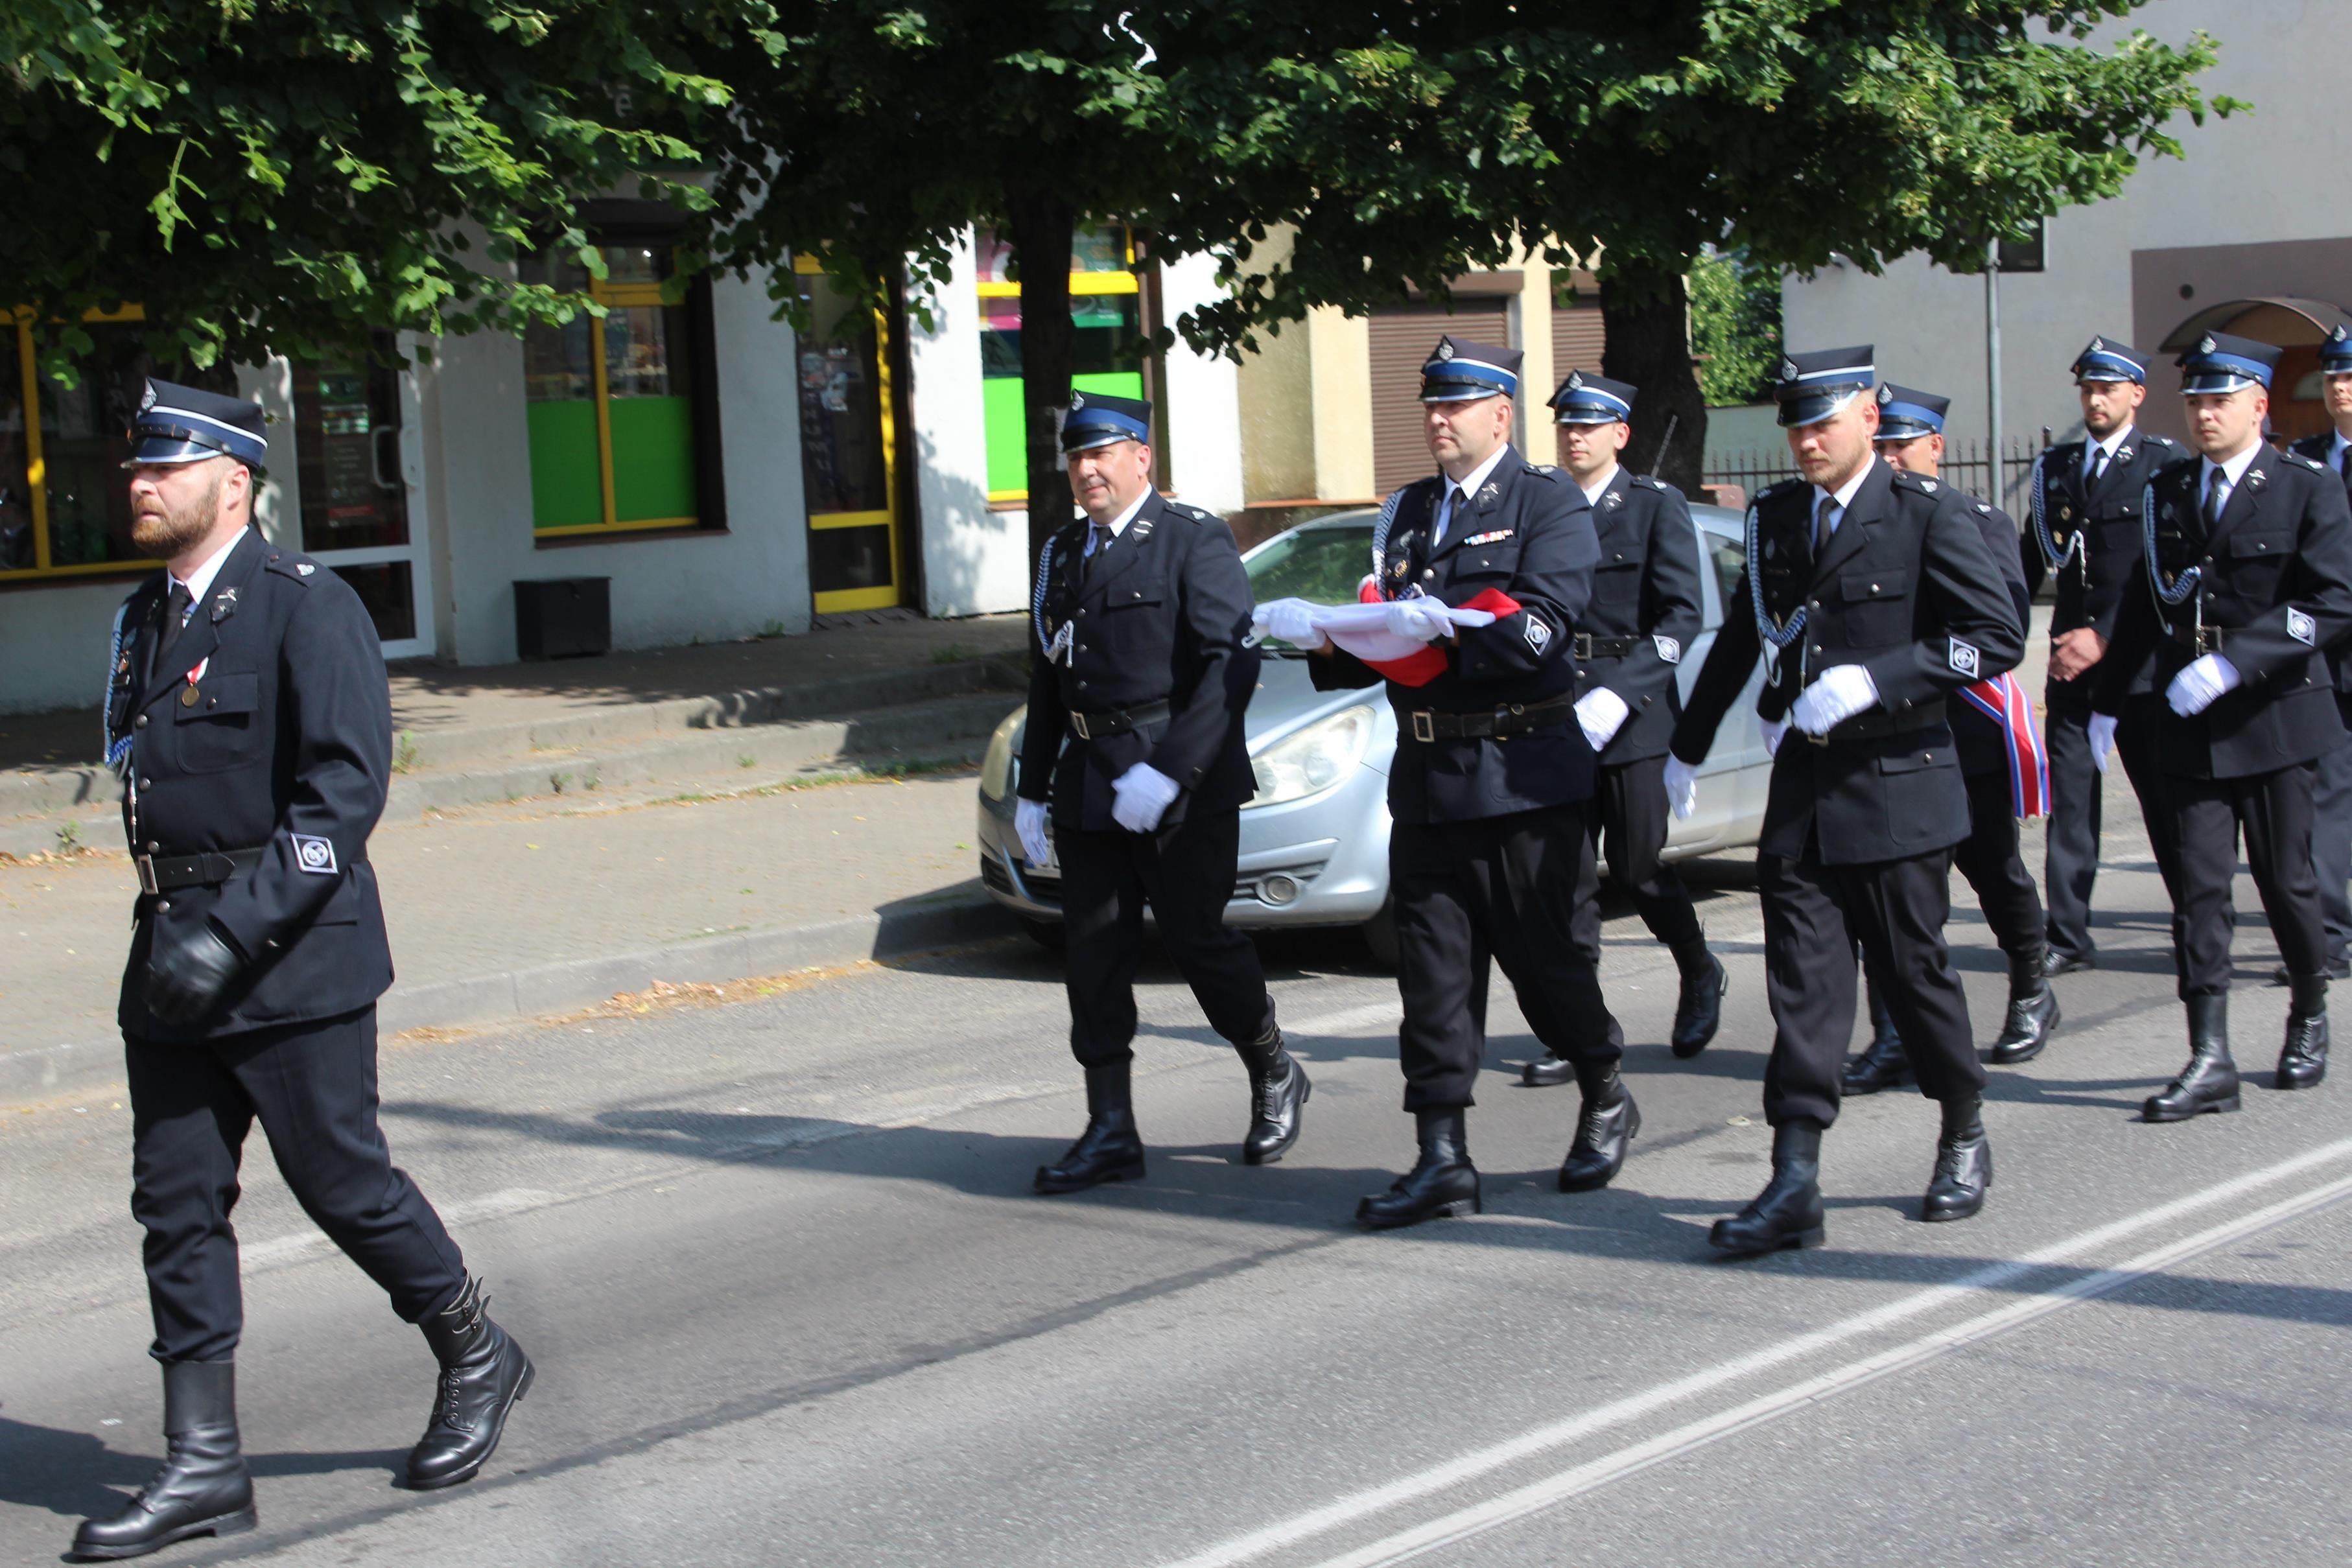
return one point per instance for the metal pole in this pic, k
(1992, 367)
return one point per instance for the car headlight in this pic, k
(1313, 759)
(996, 763)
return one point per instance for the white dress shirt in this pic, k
(200, 582)
(1456, 495)
(2111, 445)
(1592, 491)
(1843, 497)
(1117, 524)
(2233, 470)
(2336, 453)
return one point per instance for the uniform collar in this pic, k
(199, 582)
(2336, 445)
(1481, 474)
(2111, 445)
(2235, 468)
(1592, 492)
(1845, 492)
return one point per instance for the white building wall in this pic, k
(1204, 393)
(668, 588)
(975, 562)
(2242, 180)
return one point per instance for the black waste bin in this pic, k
(564, 617)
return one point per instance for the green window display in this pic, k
(1105, 307)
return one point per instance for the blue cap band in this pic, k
(1900, 421)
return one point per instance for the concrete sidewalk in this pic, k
(464, 737)
(512, 910)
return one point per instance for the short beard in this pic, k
(160, 537)
(2113, 425)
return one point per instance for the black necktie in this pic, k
(1101, 547)
(2215, 498)
(1822, 530)
(2099, 465)
(175, 615)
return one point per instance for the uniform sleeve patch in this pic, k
(1965, 658)
(1539, 634)
(1670, 649)
(313, 854)
(2303, 628)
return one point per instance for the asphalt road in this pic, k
(792, 1301)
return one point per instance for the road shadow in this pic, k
(75, 1475)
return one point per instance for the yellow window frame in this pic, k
(37, 468)
(612, 296)
(835, 602)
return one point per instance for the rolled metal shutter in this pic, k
(1401, 338)
(1576, 342)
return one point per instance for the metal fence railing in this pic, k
(1966, 465)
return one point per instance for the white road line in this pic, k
(1527, 1499)
(1359, 1506)
(304, 1244)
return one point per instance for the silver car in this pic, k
(1315, 839)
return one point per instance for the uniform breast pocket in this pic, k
(2256, 557)
(1485, 566)
(222, 727)
(1878, 606)
(1617, 580)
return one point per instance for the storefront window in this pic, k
(1105, 308)
(347, 452)
(65, 500)
(846, 458)
(610, 404)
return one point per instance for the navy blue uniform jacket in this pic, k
(286, 749)
(2276, 590)
(1158, 617)
(1529, 533)
(1645, 593)
(1906, 589)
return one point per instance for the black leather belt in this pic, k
(1588, 646)
(168, 873)
(2198, 639)
(1878, 722)
(1490, 724)
(1115, 721)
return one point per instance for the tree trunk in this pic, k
(1041, 225)
(1645, 314)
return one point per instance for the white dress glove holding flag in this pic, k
(1140, 797)
(1292, 621)
(1601, 712)
(1424, 619)
(2196, 688)
(1682, 788)
(1843, 691)
(1029, 826)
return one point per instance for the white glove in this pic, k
(1843, 691)
(1601, 712)
(1773, 731)
(1682, 787)
(2102, 738)
(1421, 619)
(1140, 797)
(1029, 818)
(2195, 689)
(1292, 621)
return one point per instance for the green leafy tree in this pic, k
(1638, 136)
(1735, 308)
(281, 177)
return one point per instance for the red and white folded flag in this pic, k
(2003, 700)
(1362, 629)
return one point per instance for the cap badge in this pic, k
(1788, 370)
(2098, 345)
(1885, 395)
(2205, 345)
(1078, 402)
(1576, 378)
(147, 398)
(1446, 347)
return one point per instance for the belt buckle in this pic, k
(146, 864)
(1821, 740)
(1424, 726)
(1583, 645)
(1078, 725)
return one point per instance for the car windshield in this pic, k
(1324, 565)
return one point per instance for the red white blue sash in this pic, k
(2003, 701)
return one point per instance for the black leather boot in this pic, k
(1963, 1161)
(1788, 1212)
(2209, 1081)
(1549, 1073)
(484, 1375)
(1441, 1184)
(1883, 1063)
(1699, 1012)
(2304, 1062)
(204, 1488)
(1278, 1092)
(2033, 1010)
(1110, 1149)
(1604, 1131)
